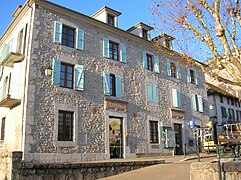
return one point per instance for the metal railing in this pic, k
(11, 46)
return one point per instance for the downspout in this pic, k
(25, 79)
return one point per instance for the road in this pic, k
(171, 170)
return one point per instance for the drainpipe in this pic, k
(25, 77)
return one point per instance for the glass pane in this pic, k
(62, 67)
(64, 30)
(69, 69)
(71, 32)
(61, 82)
(69, 84)
(69, 77)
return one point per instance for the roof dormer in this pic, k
(141, 30)
(164, 40)
(107, 15)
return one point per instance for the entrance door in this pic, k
(178, 138)
(116, 137)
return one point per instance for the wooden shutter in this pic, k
(79, 77)
(200, 103)
(149, 92)
(175, 98)
(106, 47)
(194, 104)
(178, 71)
(144, 59)
(118, 84)
(156, 65)
(154, 93)
(56, 72)
(196, 78)
(169, 70)
(106, 83)
(188, 75)
(123, 53)
(58, 32)
(79, 39)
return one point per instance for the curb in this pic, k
(195, 157)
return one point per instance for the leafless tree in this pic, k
(204, 29)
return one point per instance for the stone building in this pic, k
(79, 88)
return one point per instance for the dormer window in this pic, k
(168, 44)
(111, 20)
(144, 33)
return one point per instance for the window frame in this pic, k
(3, 124)
(112, 85)
(224, 113)
(68, 29)
(192, 76)
(144, 34)
(149, 62)
(111, 20)
(71, 136)
(173, 69)
(112, 51)
(66, 65)
(154, 132)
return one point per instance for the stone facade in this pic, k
(41, 101)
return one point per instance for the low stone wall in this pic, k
(15, 169)
(231, 170)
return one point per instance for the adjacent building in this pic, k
(79, 88)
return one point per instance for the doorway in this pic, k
(116, 137)
(178, 138)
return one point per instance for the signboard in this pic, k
(191, 124)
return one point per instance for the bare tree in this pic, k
(204, 29)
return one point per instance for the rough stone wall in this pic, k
(88, 105)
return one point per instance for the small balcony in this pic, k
(9, 94)
(11, 53)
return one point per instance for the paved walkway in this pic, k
(175, 168)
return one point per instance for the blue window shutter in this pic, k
(149, 92)
(80, 39)
(196, 78)
(179, 76)
(175, 98)
(144, 59)
(106, 47)
(188, 75)
(156, 65)
(56, 72)
(179, 99)
(106, 83)
(154, 91)
(194, 104)
(79, 77)
(169, 71)
(123, 53)
(118, 84)
(57, 32)
(149, 35)
(200, 103)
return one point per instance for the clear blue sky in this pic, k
(133, 11)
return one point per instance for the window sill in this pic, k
(65, 144)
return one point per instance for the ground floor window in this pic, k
(65, 126)
(3, 129)
(154, 132)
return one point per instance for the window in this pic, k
(145, 34)
(176, 98)
(223, 111)
(232, 101)
(192, 77)
(197, 103)
(112, 85)
(68, 36)
(114, 50)
(150, 62)
(154, 132)
(66, 75)
(63, 75)
(173, 70)
(65, 126)
(168, 44)
(3, 129)
(231, 114)
(111, 20)
(228, 100)
(151, 92)
(221, 98)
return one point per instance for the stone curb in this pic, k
(195, 157)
